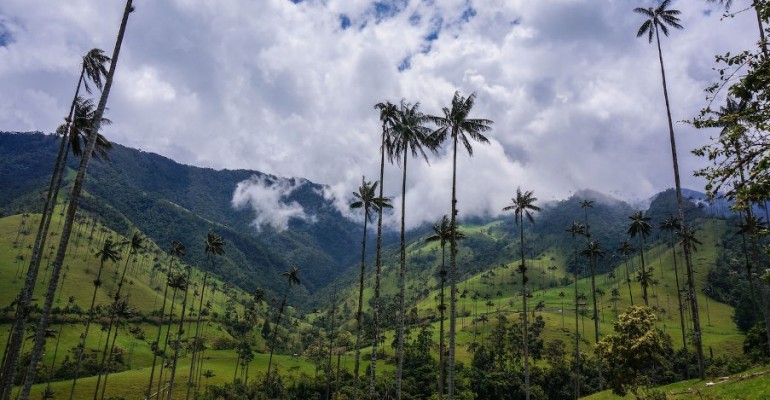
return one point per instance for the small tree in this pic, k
(636, 352)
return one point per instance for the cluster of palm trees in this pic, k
(82, 120)
(639, 227)
(406, 131)
(522, 206)
(658, 20)
(80, 134)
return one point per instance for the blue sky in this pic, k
(287, 87)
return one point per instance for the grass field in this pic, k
(753, 384)
(492, 293)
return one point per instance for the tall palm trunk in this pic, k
(524, 298)
(378, 270)
(596, 313)
(644, 271)
(762, 40)
(77, 188)
(593, 290)
(681, 306)
(16, 335)
(577, 328)
(401, 286)
(442, 310)
(359, 313)
(275, 333)
(168, 338)
(683, 223)
(750, 223)
(197, 336)
(113, 320)
(628, 280)
(157, 338)
(84, 335)
(452, 276)
(179, 333)
(109, 357)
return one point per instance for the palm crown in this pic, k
(442, 232)
(670, 224)
(367, 199)
(94, 67)
(136, 242)
(292, 276)
(640, 225)
(388, 117)
(108, 252)
(80, 129)
(576, 229)
(409, 134)
(523, 203)
(658, 18)
(177, 249)
(455, 123)
(593, 249)
(214, 244)
(625, 247)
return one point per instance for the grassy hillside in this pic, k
(170, 201)
(749, 385)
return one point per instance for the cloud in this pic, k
(284, 88)
(267, 197)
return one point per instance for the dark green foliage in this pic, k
(89, 365)
(637, 354)
(608, 225)
(420, 367)
(755, 344)
(664, 205)
(745, 316)
(727, 281)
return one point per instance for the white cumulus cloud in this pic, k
(267, 197)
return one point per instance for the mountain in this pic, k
(170, 201)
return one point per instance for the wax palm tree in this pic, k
(576, 229)
(625, 249)
(388, 113)
(593, 251)
(92, 69)
(367, 200)
(442, 233)
(523, 205)
(671, 225)
(640, 225)
(457, 125)
(37, 350)
(688, 235)
(80, 131)
(585, 204)
(180, 331)
(292, 278)
(177, 282)
(410, 137)
(658, 20)
(177, 251)
(135, 244)
(108, 252)
(214, 245)
(119, 311)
